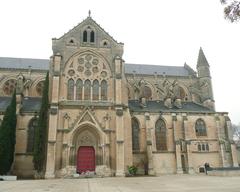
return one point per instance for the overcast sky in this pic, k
(153, 32)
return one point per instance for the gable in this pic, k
(75, 37)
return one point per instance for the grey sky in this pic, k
(153, 32)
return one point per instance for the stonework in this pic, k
(106, 115)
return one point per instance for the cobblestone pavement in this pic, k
(185, 183)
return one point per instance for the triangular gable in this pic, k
(89, 21)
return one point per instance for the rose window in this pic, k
(9, 86)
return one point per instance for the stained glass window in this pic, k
(9, 86)
(95, 90)
(200, 128)
(135, 134)
(160, 135)
(70, 93)
(92, 36)
(104, 90)
(87, 90)
(84, 36)
(30, 138)
(79, 87)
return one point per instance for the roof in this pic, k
(29, 104)
(43, 64)
(156, 69)
(4, 102)
(158, 106)
(24, 63)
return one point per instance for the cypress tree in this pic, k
(40, 136)
(8, 137)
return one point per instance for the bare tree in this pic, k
(231, 10)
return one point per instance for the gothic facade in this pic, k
(106, 115)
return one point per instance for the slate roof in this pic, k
(158, 106)
(43, 64)
(30, 104)
(24, 63)
(4, 102)
(153, 69)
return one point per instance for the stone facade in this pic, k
(161, 119)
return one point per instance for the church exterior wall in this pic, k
(176, 127)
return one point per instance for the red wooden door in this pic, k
(85, 159)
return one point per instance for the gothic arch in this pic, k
(33, 85)
(161, 134)
(186, 91)
(73, 59)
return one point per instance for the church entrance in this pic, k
(85, 159)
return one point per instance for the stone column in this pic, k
(120, 166)
(234, 154)
(221, 143)
(53, 118)
(107, 131)
(178, 146)
(189, 155)
(50, 167)
(188, 145)
(151, 170)
(178, 157)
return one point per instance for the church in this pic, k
(106, 114)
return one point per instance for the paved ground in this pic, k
(185, 183)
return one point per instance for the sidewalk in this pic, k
(170, 183)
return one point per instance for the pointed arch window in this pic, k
(30, 136)
(79, 88)
(70, 92)
(92, 37)
(87, 90)
(95, 90)
(85, 36)
(135, 135)
(160, 135)
(200, 128)
(104, 90)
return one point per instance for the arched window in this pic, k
(95, 90)
(200, 128)
(135, 134)
(79, 88)
(30, 137)
(104, 90)
(70, 92)
(207, 147)
(9, 86)
(85, 36)
(160, 135)
(182, 94)
(87, 90)
(147, 92)
(92, 37)
(203, 147)
(199, 147)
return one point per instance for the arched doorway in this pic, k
(85, 159)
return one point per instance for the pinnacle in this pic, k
(202, 61)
